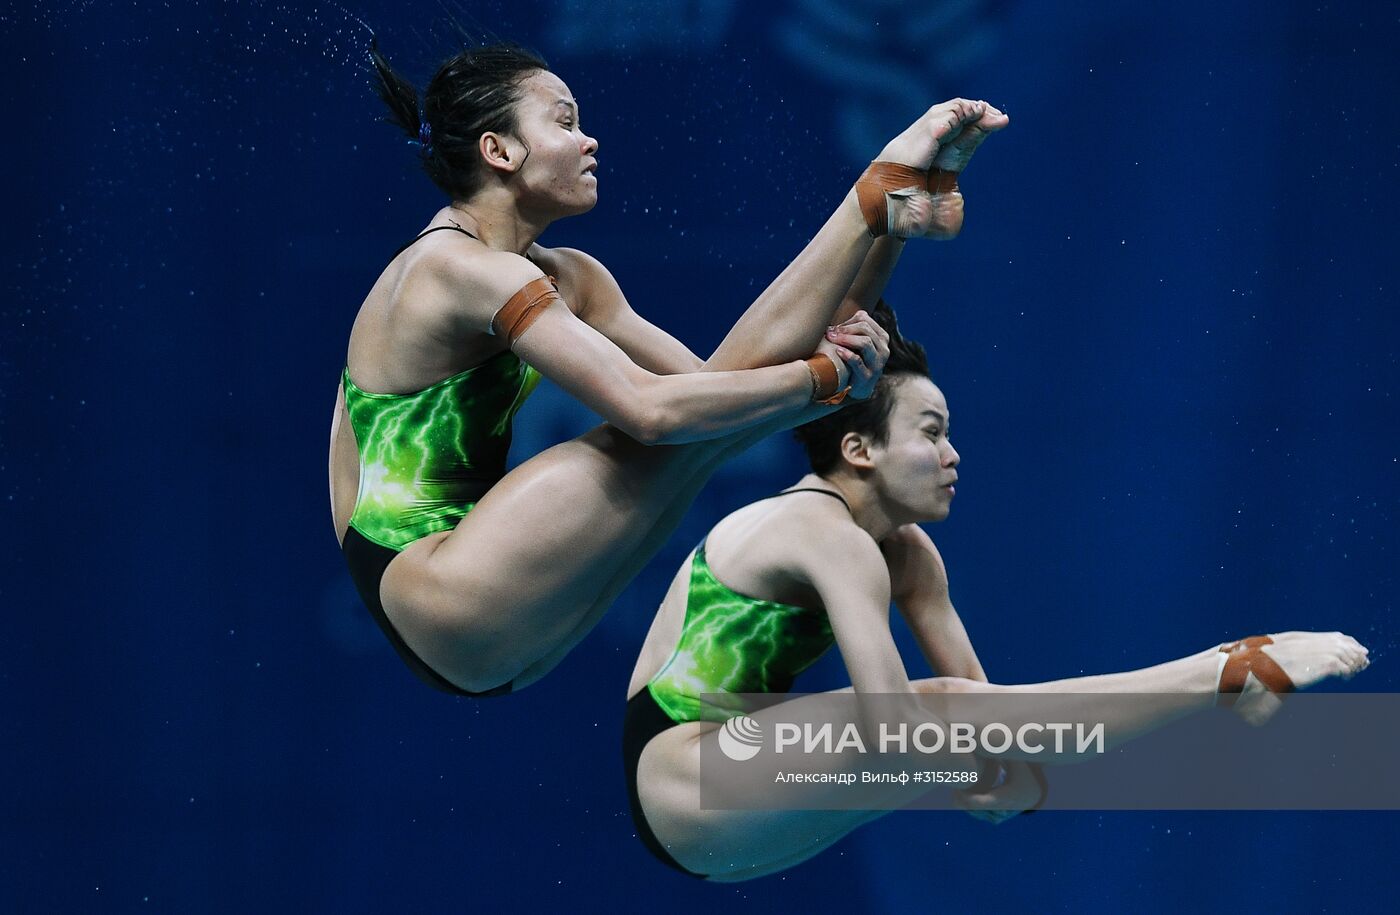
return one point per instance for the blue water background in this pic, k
(1168, 337)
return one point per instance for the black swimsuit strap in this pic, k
(454, 228)
(406, 245)
(825, 492)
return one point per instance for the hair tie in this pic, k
(425, 138)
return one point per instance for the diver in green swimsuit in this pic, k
(425, 459)
(484, 580)
(778, 582)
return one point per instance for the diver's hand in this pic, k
(863, 347)
(1023, 788)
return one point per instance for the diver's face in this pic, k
(558, 171)
(916, 467)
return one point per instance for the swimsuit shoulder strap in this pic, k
(825, 492)
(408, 244)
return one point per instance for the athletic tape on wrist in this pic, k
(826, 378)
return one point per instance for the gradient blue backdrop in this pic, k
(1168, 336)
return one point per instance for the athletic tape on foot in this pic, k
(1245, 657)
(942, 181)
(879, 182)
(882, 180)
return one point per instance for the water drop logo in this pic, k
(741, 738)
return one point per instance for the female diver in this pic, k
(483, 580)
(761, 598)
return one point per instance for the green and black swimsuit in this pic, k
(426, 459)
(730, 644)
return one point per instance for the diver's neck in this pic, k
(498, 222)
(869, 514)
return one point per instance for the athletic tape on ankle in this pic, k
(826, 378)
(942, 181)
(1245, 657)
(880, 179)
(521, 310)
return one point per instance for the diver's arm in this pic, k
(604, 306)
(653, 409)
(850, 577)
(919, 582)
(657, 409)
(843, 565)
(919, 585)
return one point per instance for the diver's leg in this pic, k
(741, 844)
(1161, 693)
(507, 586)
(787, 320)
(626, 566)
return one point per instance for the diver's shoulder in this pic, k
(574, 268)
(466, 281)
(814, 528)
(566, 257)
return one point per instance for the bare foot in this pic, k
(1307, 658)
(921, 141)
(919, 214)
(955, 151)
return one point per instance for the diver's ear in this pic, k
(855, 450)
(502, 154)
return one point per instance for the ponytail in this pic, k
(397, 93)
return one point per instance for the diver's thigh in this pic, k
(716, 843)
(552, 529)
(519, 573)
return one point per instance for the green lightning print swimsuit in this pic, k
(730, 644)
(426, 458)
